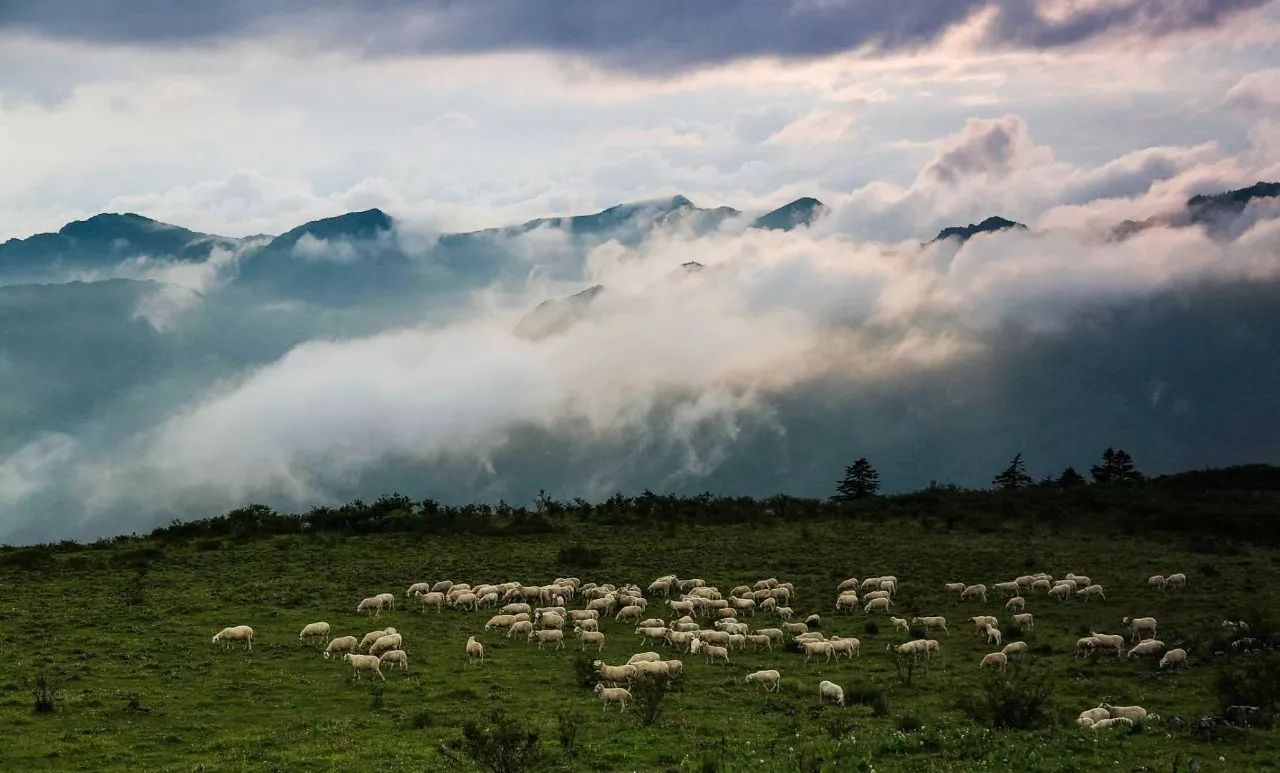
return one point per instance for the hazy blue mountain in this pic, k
(1218, 213)
(556, 315)
(101, 243)
(801, 212)
(990, 225)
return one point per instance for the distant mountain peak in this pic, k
(803, 211)
(557, 314)
(990, 225)
(365, 224)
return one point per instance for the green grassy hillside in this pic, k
(123, 632)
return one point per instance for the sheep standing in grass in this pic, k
(978, 591)
(1156, 581)
(1085, 645)
(392, 641)
(475, 651)
(1109, 641)
(1015, 649)
(1106, 724)
(547, 636)
(314, 629)
(847, 647)
(1176, 581)
(1173, 658)
(993, 635)
(877, 605)
(361, 663)
(1025, 621)
(899, 624)
(1016, 604)
(1092, 591)
(432, 599)
(770, 680)
(982, 622)
(228, 636)
(1139, 626)
(371, 605)
(591, 637)
(520, 628)
(1094, 715)
(994, 660)
(372, 636)
(1062, 591)
(340, 645)
(388, 600)
(396, 657)
(614, 674)
(934, 623)
(811, 648)
(847, 602)
(830, 692)
(417, 588)
(1147, 648)
(618, 695)
(955, 587)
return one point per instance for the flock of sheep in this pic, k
(704, 621)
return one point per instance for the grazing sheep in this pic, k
(591, 637)
(1016, 649)
(675, 668)
(342, 644)
(830, 692)
(432, 599)
(641, 657)
(372, 605)
(955, 587)
(1147, 648)
(915, 648)
(653, 668)
(1062, 591)
(500, 621)
(1025, 621)
(776, 635)
(1173, 658)
(846, 602)
(978, 591)
(1007, 588)
(314, 629)
(982, 622)
(618, 695)
(392, 641)
(1109, 641)
(228, 636)
(1084, 721)
(614, 674)
(783, 613)
(1041, 584)
(758, 641)
(876, 594)
(849, 584)
(811, 648)
(388, 600)
(711, 651)
(1139, 626)
(1085, 645)
(994, 660)
(770, 680)
(653, 634)
(811, 636)
(1104, 724)
(1156, 581)
(549, 620)
(795, 629)
(877, 605)
(847, 647)
(364, 663)
(813, 621)
(372, 636)
(586, 625)
(1079, 578)
(899, 624)
(417, 588)
(1178, 580)
(466, 600)
(475, 651)
(397, 657)
(1016, 604)
(1131, 713)
(520, 628)
(442, 587)
(515, 609)
(547, 635)
(630, 613)
(934, 623)
(1091, 591)
(993, 635)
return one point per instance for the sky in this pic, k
(155, 386)
(245, 117)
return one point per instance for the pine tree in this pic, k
(1070, 478)
(861, 481)
(1014, 476)
(1117, 467)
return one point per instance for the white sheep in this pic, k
(1095, 715)
(1104, 724)
(614, 674)
(388, 600)
(674, 667)
(1109, 641)
(314, 629)
(630, 613)
(934, 623)
(1139, 626)
(228, 636)
(1085, 645)
(641, 657)
(993, 635)
(978, 591)
(1176, 580)
(1016, 604)
(548, 635)
(417, 588)
(876, 594)
(1156, 581)
(372, 605)
(982, 622)
(770, 680)
(955, 587)
(618, 695)
(586, 625)
(520, 628)
(475, 651)
(1041, 584)
(830, 692)
(711, 651)
(392, 641)
(994, 660)
(847, 647)
(654, 634)
(849, 584)
(1025, 621)
(1173, 658)
(432, 599)
(342, 644)
(1007, 588)
(1147, 648)
(1091, 591)
(653, 668)
(591, 637)
(758, 641)
(1016, 649)
(1062, 591)
(364, 663)
(877, 605)
(846, 602)
(372, 636)
(1131, 713)
(397, 657)
(811, 648)
(500, 621)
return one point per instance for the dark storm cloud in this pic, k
(655, 35)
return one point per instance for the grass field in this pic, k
(141, 686)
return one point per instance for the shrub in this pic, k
(648, 692)
(501, 746)
(421, 719)
(1255, 682)
(909, 723)
(44, 694)
(873, 697)
(1011, 700)
(579, 555)
(30, 559)
(208, 545)
(871, 629)
(375, 697)
(567, 733)
(584, 674)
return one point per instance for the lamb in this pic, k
(397, 657)
(1109, 641)
(500, 621)
(1132, 713)
(1147, 648)
(1085, 645)
(614, 674)
(994, 660)
(770, 680)
(228, 636)
(1015, 649)
(548, 635)
(392, 641)
(342, 644)
(931, 623)
(830, 692)
(388, 600)
(1104, 724)
(475, 651)
(591, 637)
(1025, 621)
(811, 648)
(982, 622)
(877, 605)
(847, 647)
(1178, 580)
(586, 625)
(417, 588)
(373, 605)
(993, 635)
(1016, 604)
(899, 624)
(1140, 625)
(1091, 591)
(1173, 658)
(712, 651)
(364, 663)
(618, 695)
(978, 591)
(783, 613)
(314, 629)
